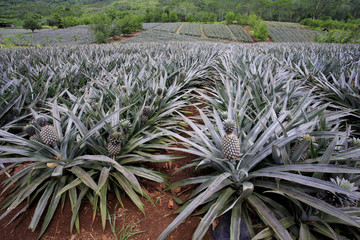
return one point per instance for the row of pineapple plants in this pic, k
(85, 124)
(82, 121)
(279, 150)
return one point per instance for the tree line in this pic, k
(270, 10)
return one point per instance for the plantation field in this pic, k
(147, 26)
(284, 24)
(264, 134)
(278, 31)
(155, 36)
(240, 34)
(168, 27)
(51, 37)
(192, 29)
(216, 31)
(288, 34)
(10, 32)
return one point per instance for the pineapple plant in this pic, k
(114, 144)
(47, 133)
(339, 199)
(145, 114)
(230, 142)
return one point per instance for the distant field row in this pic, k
(232, 32)
(278, 32)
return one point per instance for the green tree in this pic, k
(59, 22)
(261, 30)
(198, 17)
(212, 17)
(253, 20)
(173, 16)
(229, 17)
(205, 17)
(51, 21)
(242, 19)
(190, 17)
(31, 23)
(101, 26)
(164, 17)
(127, 24)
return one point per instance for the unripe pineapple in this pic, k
(31, 132)
(145, 114)
(126, 126)
(124, 89)
(230, 142)
(114, 144)
(47, 134)
(339, 199)
(159, 91)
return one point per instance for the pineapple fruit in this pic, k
(339, 199)
(31, 132)
(114, 144)
(145, 114)
(47, 133)
(230, 142)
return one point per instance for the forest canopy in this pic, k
(274, 10)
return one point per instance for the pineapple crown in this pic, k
(125, 124)
(309, 138)
(344, 183)
(224, 115)
(356, 141)
(229, 126)
(41, 121)
(115, 138)
(30, 130)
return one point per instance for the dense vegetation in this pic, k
(153, 10)
(279, 132)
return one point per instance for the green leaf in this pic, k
(235, 224)
(308, 181)
(53, 205)
(212, 213)
(326, 157)
(304, 232)
(84, 177)
(129, 175)
(123, 182)
(213, 188)
(268, 233)
(325, 168)
(75, 210)
(103, 207)
(104, 175)
(268, 217)
(41, 205)
(312, 201)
